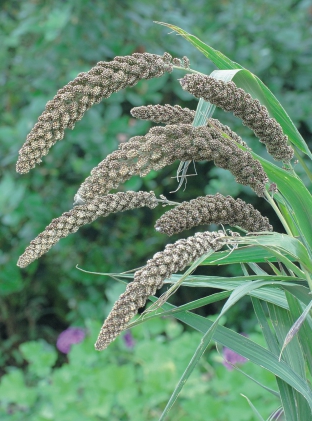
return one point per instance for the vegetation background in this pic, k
(44, 45)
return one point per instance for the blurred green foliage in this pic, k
(46, 44)
(130, 383)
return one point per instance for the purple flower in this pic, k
(128, 339)
(231, 357)
(72, 335)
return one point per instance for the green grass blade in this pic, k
(257, 269)
(267, 389)
(286, 392)
(260, 307)
(255, 411)
(288, 395)
(301, 292)
(288, 400)
(305, 333)
(252, 83)
(295, 193)
(204, 110)
(236, 295)
(213, 298)
(243, 254)
(232, 282)
(297, 325)
(282, 242)
(270, 294)
(215, 56)
(290, 266)
(276, 415)
(282, 321)
(288, 214)
(245, 347)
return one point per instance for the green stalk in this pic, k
(188, 70)
(308, 277)
(304, 165)
(278, 213)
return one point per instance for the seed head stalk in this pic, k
(304, 165)
(278, 213)
(187, 70)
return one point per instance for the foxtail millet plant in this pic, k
(189, 137)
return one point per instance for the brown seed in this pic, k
(75, 98)
(212, 209)
(69, 222)
(169, 114)
(147, 280)
(161, 146)
(227, 96)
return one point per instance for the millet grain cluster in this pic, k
(169, 114)
(212, 209)
(227, 96)
(150, 278)
(69, 222)
(74, 99)
(164, 145)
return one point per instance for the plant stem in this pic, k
(308, 277)
(188, 70)
(278, 213)
(304, 165)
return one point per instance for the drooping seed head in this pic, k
(227, 96)
(212, 209)
(169, 114)
(161, 147)
(69, 222)
(75, 98)
(147, 280)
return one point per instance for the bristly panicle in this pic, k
(71, 221)
(147, 280)
(227, 96)
(161, 147)
(169, 114)
(166, 114)
(216, 209)
(75, 98)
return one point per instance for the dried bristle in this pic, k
(75, 98)
(169, 114)
(70, 222)
(164, 145)
(212, 209)
(227, 96)
(147, 280)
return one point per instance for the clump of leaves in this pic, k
(130, 381)
(280, 294)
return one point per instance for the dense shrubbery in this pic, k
(130, 381)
